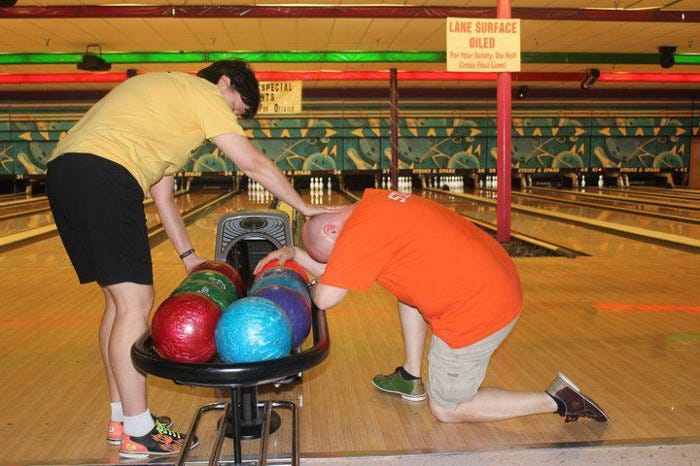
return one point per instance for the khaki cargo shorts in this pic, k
(455, 375)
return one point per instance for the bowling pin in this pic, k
(583, 181)
(601, 182)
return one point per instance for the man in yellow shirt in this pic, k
(130, 143)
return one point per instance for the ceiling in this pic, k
(629, 26)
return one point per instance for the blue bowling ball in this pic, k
(253, 329)
(294, 305)
(282, 280)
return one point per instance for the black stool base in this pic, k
(253, 430)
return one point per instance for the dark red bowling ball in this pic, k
(183, 328)
(290, 264)
(226, 269)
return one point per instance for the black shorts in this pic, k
(98, 209)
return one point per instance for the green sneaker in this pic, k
(411, 390)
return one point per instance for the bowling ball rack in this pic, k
(245, 417)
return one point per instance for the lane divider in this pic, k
(625, 230)
(16, 239)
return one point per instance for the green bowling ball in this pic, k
(218, 279)
(205, 288)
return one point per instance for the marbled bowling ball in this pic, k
(253, 329)
(284, 278)
(294, 305)
(205, 288)
(228, 270)
(218, 279)
(290, 264)
(183, 328)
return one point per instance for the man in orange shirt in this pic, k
(471, 301)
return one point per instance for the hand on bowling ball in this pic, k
(192, 261)
(282, 255)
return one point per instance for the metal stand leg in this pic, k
(294, 460)
(234, 414)
(193, 428)
(216, 451)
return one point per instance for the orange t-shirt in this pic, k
(461, 280)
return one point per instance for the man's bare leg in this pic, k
(494, 404)
(105, 331)
(414, 329)
(132, 305)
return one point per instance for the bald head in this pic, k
(320, 232)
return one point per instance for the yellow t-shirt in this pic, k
(151, 124)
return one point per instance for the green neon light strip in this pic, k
(332, 57)
(688, 59)
(201, 57)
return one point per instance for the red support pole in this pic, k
(503, 141)
(394, 170)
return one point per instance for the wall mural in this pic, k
(356, 144)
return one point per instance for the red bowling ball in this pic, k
(226, 269)
(183, 328)
(290, 264)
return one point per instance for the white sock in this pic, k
(139, 425)
(117, 413)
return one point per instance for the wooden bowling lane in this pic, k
(21, 221)
(633, 218)
(680, 192)
(683, 210)
(14, 196)
(342, 414)
(625, 331)
(655, 197)
(600, 212)
(19, 224)
(56, 407)
(562, 233)
(20, 199)
(20, 210)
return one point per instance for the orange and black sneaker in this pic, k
(159, 441)
(115, 429)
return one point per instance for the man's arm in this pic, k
(297, 254)
(325, 296)
(164, 200)
(258, 167)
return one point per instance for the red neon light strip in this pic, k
(61, 78)
(650, 77)
(646, 307)
(58, 78)
(372, 76)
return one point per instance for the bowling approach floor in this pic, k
(622, 323)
